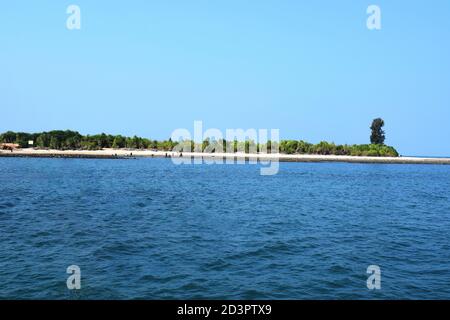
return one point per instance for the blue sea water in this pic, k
(148, 229)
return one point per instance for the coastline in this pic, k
(129, 154)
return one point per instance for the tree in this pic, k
(8, 137)
(63, 140)
(205, 143)
(377, 136)
(54, 143)
(119, 142)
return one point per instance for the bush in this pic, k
(64, 140)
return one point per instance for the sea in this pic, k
(150, 229)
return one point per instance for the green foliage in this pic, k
(119, 142)
(72, 140)
(377, 136)
(8, 137)
(326, 148)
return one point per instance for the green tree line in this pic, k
(73, 140)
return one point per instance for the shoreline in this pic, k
(130, 154)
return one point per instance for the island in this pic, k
(72, 144)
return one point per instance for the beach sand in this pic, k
(123, 153)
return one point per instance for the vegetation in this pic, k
(72, 140)
(326, 148)
(377, 136)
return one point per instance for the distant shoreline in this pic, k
(127, 154)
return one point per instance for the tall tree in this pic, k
(377, 136)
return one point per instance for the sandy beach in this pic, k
(123, 153)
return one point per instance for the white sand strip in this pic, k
(273, 157)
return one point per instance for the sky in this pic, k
(311, 69)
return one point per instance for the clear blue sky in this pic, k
(310, 68)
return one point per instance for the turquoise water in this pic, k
(147, 229)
